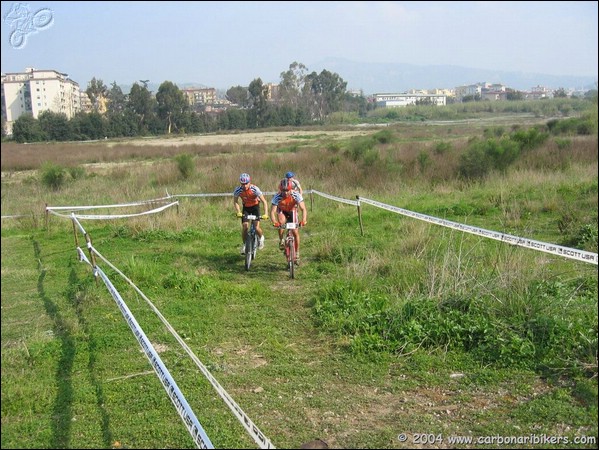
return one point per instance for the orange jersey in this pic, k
(249, 197)
(288, 203)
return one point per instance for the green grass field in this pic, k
(409, 328)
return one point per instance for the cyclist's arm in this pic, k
(273, 213)
(236, 204)
(302, 207)
(264, 203)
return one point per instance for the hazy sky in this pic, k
(224, 44)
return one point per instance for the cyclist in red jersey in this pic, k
(251, 196)
(295, 184)
(284, 208)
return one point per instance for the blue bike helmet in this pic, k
(244, 178)
(289, 175)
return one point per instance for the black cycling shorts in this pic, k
(255, 210)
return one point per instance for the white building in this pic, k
(395, 100)
(34, 91)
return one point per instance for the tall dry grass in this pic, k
(413, 162)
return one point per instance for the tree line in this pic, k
(303, 99)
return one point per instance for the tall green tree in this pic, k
(328, 92)
(96, 91)
(238, 95)
(258, 94)
(291, 86)
(117, 100)
(140, 101)
(171, 106)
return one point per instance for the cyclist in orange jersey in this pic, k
(295, 184)
(251, 196)
(284, 208)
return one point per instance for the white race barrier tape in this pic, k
(338, 199)
(194, 427)
(571, 253)
(223, 194)
(226, 194)
(247, 423)
(76, 208)
(113, 216)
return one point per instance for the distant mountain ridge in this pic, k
(374, 78)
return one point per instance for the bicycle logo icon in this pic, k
(24, 23)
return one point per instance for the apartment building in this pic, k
(272, 92)
(199, 98)
(34, 91)
(397, 100)
(484, 91)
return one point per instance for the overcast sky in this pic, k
(224, 44)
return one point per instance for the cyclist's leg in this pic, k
(297, 240)
(244, 224)
(282, 220)
(255, 210)
(296, 233)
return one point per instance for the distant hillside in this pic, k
(385, 77)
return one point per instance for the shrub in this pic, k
(76, 172)
(383, 136)
(53, 175)
(442, 147)
(185, 165)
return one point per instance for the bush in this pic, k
(383, 136)
(442, 147)
(185, 165)
(76, 172)
(53, 175)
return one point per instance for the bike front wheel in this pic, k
(291, 259)
(248, 251)
(255, 246)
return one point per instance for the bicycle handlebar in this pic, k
(290, 226)
(252, 216)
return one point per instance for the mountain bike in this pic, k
(290, 246)
(251, 240)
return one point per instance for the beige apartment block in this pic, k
(35, 91)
